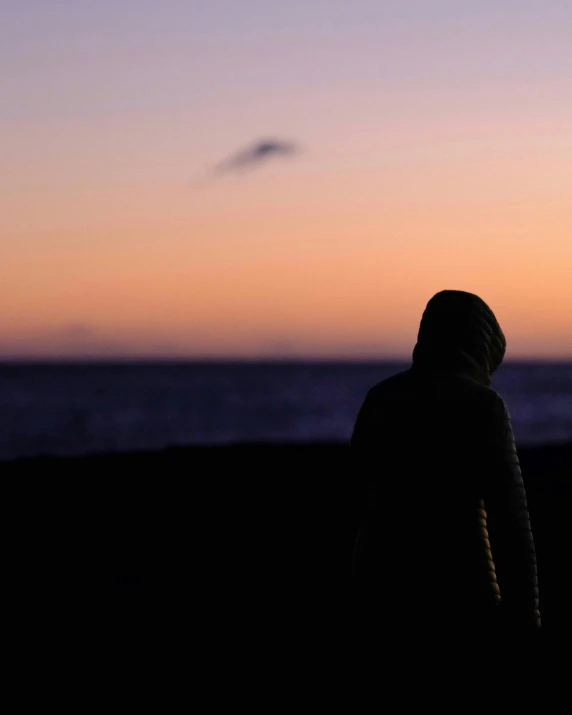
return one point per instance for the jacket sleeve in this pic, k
(508, 522)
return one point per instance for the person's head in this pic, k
(459, 333)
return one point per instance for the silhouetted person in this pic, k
(445, 546)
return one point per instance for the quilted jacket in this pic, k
(445, 537)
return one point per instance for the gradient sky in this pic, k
(436, 152)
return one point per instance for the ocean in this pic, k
(79, 408)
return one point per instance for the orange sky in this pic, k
(435, 154)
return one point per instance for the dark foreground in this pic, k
(236, 548)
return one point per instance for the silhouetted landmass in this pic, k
(245, 543)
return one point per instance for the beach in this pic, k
(249, 540)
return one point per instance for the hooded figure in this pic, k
(445, 542)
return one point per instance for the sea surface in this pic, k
(78, 408)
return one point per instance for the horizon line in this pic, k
(245, 359)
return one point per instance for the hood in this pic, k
(459, 334)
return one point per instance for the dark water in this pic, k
(78, 408)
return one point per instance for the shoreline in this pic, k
(559, 453)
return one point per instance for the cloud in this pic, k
(258, 153)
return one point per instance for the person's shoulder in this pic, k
(491, 403)
(463, 388)
(492, 397)
(394, 383)
(498, 406)
(488, 405)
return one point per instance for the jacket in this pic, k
(445, 537)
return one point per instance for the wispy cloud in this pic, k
(256, 154)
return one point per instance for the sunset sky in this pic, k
(434, 151)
